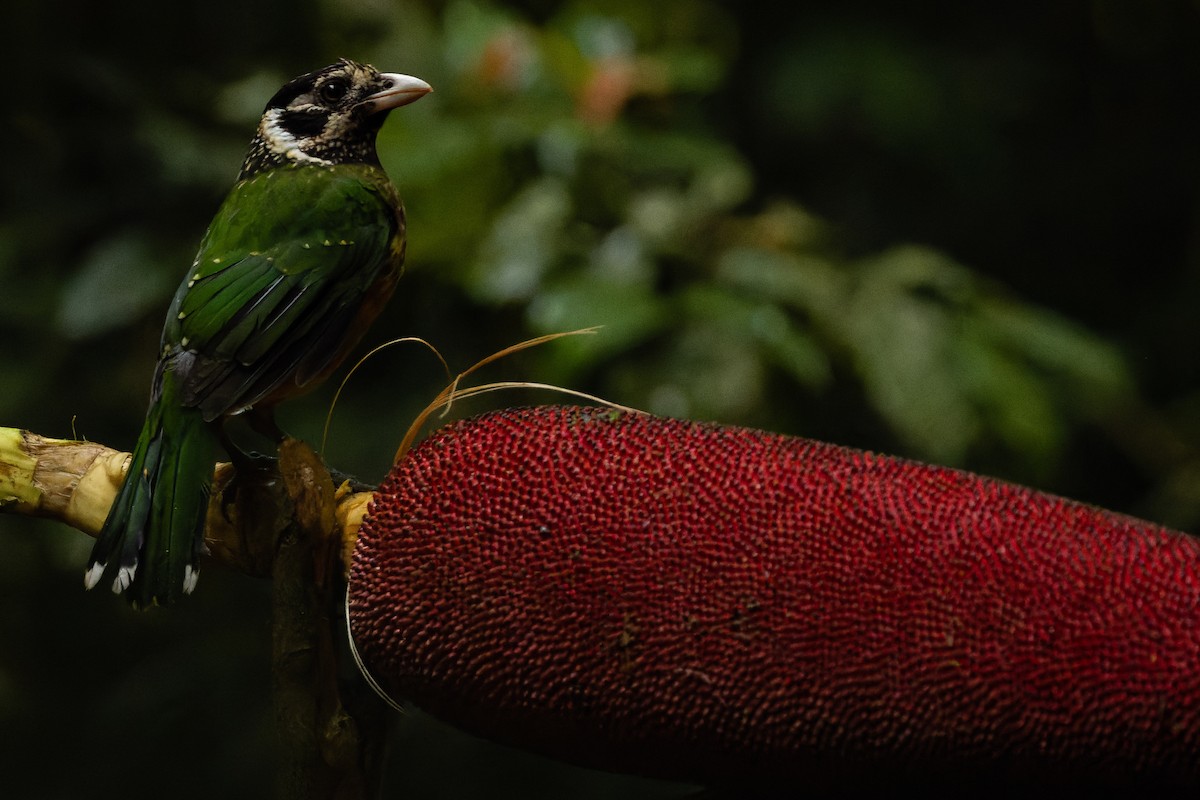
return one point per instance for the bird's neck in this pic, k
(274, 146)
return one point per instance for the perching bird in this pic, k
(302, 255)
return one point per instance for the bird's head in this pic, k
(330, 116)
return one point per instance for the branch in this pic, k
(283, 519)
(75, 482)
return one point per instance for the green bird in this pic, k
(302, 255)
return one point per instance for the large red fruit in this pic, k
(689, 600)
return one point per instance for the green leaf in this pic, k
(524, 243)
(629, 314)
(763, 328)
(118, 281)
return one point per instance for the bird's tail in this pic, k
(154, 533)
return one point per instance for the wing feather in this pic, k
(275, 293)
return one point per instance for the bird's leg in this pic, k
(241, 460)
(247, 467)
(262, 420)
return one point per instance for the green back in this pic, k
(281, 277)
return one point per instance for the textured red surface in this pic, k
(688, 600)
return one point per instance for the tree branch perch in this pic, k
(75, 482)
(282, 519)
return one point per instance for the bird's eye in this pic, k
(333, 91)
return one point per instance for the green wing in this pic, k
(280, 282)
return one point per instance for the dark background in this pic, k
(963, 233)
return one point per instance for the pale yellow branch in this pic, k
(70, 481)
(349, 508)
(75, 483)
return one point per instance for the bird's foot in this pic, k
(250, 470)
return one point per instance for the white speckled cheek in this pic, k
(281, 142)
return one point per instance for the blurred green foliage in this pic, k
(964, 234)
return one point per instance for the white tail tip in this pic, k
(124, 578)
(191, 575)
(93, 575)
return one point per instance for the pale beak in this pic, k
(399, 90)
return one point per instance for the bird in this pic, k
(300, 258)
